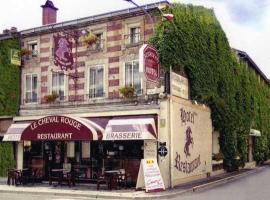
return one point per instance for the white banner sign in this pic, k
(179, 86)
(150, 176)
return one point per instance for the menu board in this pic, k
(149, 176)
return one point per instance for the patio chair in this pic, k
(102, 179)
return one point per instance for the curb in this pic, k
(161, 195)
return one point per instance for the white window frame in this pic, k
(31, 90)
(139, 34)
(101, 41)
(64, 84)
(88, 82)
(141, 80)
(34, 53)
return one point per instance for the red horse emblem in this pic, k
(189, 141)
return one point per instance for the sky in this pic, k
(245, 22)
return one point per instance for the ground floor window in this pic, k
(87, 158)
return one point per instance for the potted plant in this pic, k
(89, 39)
(51, 97)
(127, 91)
(26, 52)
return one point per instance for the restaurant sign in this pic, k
(56, 128)
(149, 63)
(63, 52)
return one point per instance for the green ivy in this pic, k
(9, 79)
(194, 42)
(6, 158)
(9, 98)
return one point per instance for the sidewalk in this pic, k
(90, 190)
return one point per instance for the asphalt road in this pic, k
(252, 187)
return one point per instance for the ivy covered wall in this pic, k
(9, 97)
(195, 42)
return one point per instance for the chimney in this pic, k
(49, 13)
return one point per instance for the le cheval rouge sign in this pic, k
(149, 63)
(63, 52)
(56, 128)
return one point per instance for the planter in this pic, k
(50, 98)
(89, 39)
(26, 52)
(127, 91)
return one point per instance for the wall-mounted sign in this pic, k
(63, 52)
(149, 63)
(149, 176)
(162, 150)
(179, 86)
(15, 58)
(191, 140)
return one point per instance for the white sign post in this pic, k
(149, 176)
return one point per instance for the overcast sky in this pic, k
(246, 22)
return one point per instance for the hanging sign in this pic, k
(15, 58)
(149, 63)
(63, 52)
(149, 176)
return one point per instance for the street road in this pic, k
(252, 187)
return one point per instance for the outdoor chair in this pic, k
(13, 177)
(102, 179)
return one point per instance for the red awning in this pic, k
(66, 128)
(56, 128)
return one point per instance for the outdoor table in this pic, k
(111, 174)
(58, 173)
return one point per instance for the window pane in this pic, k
(92, 78)
(136, 77)
(128, 74)
(34, 82)
(99, 82)
(54, 81)
(28, 82)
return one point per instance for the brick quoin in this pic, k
(115, 48)
(114, 70)
(44, 50)
(80, 54)
(44, 59)
(114, 27)
(148, 31)
(44, 89)
(44, 79)
(44, 69)
(114, 38)
(80, 86)
(78, 97)
(113, 95)
(79, 75)
(113, 59)
(113, 82)
(44, 40)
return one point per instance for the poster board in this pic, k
(149, 177)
